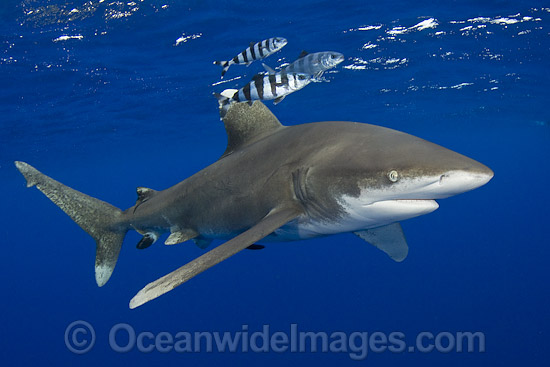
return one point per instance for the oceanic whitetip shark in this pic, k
(277, 183)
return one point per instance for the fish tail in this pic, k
(99, 219)
(224, 64)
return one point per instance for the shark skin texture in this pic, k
(277, 183)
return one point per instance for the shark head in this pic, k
(379, 176)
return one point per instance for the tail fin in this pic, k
(99, 219)
(225, 66)
(224, 103)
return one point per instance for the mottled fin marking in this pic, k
(180, 235)
(389, 239)
(275, 219)
(99, 219)
(303, 54)
(223, 104)
(245, 124)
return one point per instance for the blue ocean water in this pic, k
(105, 96)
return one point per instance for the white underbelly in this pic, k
(357, 217)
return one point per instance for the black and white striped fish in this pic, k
(264, 87)
(313, 64)
(255, 51)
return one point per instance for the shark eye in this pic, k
(393, 176)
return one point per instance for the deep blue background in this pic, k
(123, 106)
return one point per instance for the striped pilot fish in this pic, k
(255, 51)
(264, 87)
(313, 64)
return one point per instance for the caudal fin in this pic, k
(225, 66)
(99, 219)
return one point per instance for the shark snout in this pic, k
(459, 181)
(433, 186)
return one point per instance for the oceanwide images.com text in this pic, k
(80, 338)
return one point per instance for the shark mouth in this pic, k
(388, 211)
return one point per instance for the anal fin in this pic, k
(272, 221)
(389, 239)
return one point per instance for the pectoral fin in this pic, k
(389, 239)
(267, 225)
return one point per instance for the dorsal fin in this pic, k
(302, 54)
(245, 124)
